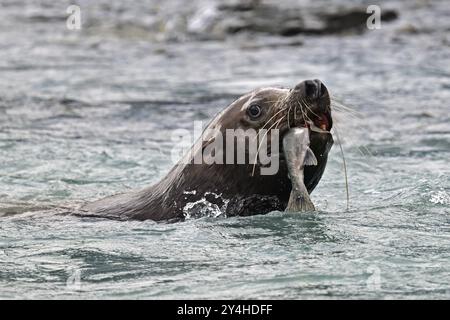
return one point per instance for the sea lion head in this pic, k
(281, 108)
(276, 110)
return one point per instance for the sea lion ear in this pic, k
(310, 158)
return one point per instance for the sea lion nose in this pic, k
(311, 88)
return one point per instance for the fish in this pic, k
(298, 155)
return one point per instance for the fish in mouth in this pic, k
(296, 143)
(237, 189)
(298, 155)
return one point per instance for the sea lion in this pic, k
(234, 189)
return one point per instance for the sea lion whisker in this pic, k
(295, 112)
(345, 166)
(336, 104)
(338, 100)
(340, 116)
(260, 143)
(341, 105)
(301, 110)
(304, 114)
(267, 122)
(345, 113)
(288, 120)
(278, 112)
(279, 121)
(308, 107)
(350, 113)
(276, 101)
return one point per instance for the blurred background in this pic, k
(89, 112)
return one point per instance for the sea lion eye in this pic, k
(254, 111)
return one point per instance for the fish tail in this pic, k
(300, 202)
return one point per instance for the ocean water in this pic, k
(89, 113)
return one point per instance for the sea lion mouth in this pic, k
(323, 122)
(310, 106)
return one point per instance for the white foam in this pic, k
(440, 197)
